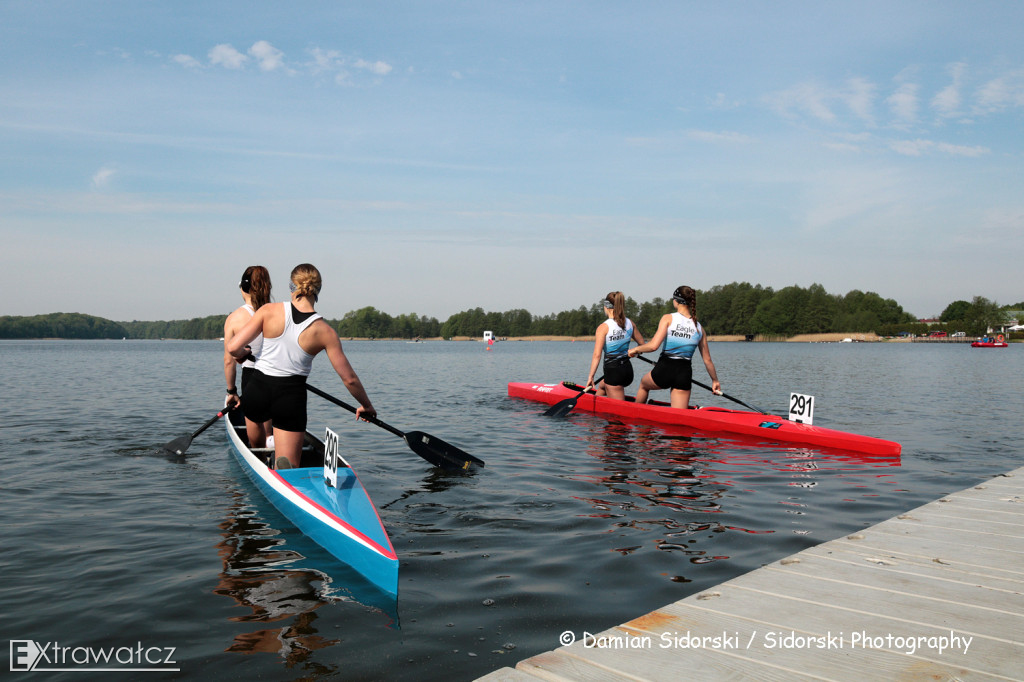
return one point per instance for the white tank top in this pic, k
(256, 344)
(282, 356)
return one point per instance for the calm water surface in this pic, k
(575, 524)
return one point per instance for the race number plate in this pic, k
(331, 458)
(801, 408)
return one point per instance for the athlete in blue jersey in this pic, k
(612, 340)
(679, 335)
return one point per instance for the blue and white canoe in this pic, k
(341, 518)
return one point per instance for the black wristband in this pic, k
(232, 391)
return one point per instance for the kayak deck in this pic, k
(707, 419)
(343, 519)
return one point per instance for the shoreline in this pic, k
(833, 337)
(859, 337)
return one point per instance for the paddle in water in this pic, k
(178, 446)
(564, 407)
(430, 448)
(705, 386)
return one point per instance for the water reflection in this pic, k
(669, 480)
(277, 585)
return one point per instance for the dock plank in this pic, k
(1007, 544)
(943, 552)
(820, 575)
(919, 566)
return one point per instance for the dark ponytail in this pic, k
(688, 297)
(256, 283)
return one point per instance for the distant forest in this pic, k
(731, 309)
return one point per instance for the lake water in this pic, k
(575, 524)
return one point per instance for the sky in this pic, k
(431, 157)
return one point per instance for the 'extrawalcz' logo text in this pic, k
(28, 655)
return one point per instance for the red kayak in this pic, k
(707, 419)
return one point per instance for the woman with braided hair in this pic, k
(679, 335)
(293, 334)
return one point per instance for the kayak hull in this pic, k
(708, 419)
(343, 520)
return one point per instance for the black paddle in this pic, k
(564, 407)
(430, 448)
(178, 446)
(724, 395)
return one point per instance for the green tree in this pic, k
(957, 310)
(984, 314)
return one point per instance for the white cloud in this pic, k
(722, 103)
(380, 68)
(188, 61)
(842, 147)
(725, 136)
(227, 56)
(921, 147)
(267, 56)
(324, 60)
(904, 103)
(817, 102)
(332, 61)
(1001, 93)
(101, 178)
(859, 95)
(947, 101)
(962, 150)
(805, 98)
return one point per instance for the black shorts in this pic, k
(280, 399)
(618, 372)
(677, 374)
(247, 373)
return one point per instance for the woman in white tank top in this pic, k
(255, 286)
(293, 334)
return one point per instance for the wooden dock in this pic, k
(933, 594)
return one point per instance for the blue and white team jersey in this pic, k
(682, 339)
(616, 341)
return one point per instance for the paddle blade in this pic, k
(178, 446)
(560, 409)
(439, 453)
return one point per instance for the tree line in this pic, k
(60, 326)
(730, 309)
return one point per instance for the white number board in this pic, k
(331, 459)
(801, 408)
